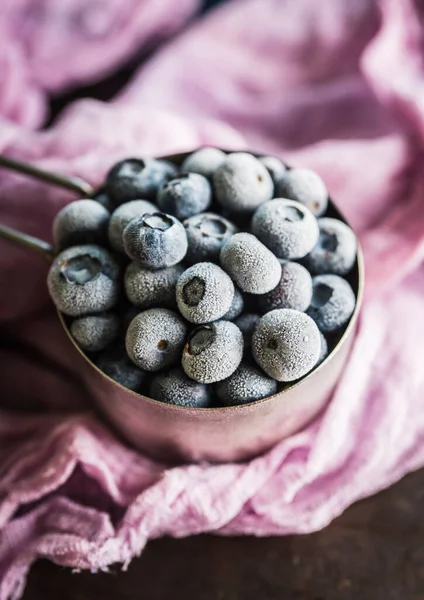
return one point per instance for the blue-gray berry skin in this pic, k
(286, 344)
(306, 187)
(286, 227)
(250, 264)
(335, 251)
(294, 290)
(204, 293)
(247, 323)
(95, 332)
(123, 215)
(206, 234)
(324, 349)
(146, 287)
(102, 198)
(204, 161)
(128, 316)
(84, 280)
(333, 302)
(155, 339)
(135, 178)
(80, 222)
(246, 384)
(236, 307)
(276, 168)
(174, 387)
(185, 195)
(115, 363)
(213, 352)
(242, 183)
(155, 240)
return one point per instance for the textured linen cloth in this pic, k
(337, 86)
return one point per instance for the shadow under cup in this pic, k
(178, 434)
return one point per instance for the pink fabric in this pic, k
(337, 86)
(50, 45)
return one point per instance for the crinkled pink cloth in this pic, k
(335, 85)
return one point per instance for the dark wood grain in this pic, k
(375, 551)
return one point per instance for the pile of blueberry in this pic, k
(208, 285)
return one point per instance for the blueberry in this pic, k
(123, 215)
(306, 187)
(155, 339)
(286, 344)
(80, 222)
(204, 293)
(294, 290)
(335, 251)
(276, 168)
(204, 161)
(115, 363)
(247, 323)
(242, 183)
(102, 198)
(206, 233)
(146, 288)
(324, 349)
(286, 227)
(84, 279)
(185, 195)
(333, 302)
(250, 264)
(245, 385)
(135, 178)
(94, 332)
(155, 241)
(129, 315)
(174, 387)
(213, 352)
(236, 307)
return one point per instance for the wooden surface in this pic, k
(375, 551)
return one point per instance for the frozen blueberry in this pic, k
(306, 187)
(122, 216)
(245, 385)
(135, 178)
(147, 287)
(115, 363)
(247, 323)
(84, 279)
(94, 332)
(185, 195)
(276, 168)
(286, 344)
(335, 251)
(213, 352)
(155, 339)
(80, 222)
(242, 183)
(206, 233)
(155, 241)
(236, 307)
(204, 161)
(102, 198)
(286, 227)
(294, 290)
(128, 316)
(174, 387)
(250, 264)
(324, 349)
(333, 302)
(204, 293)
